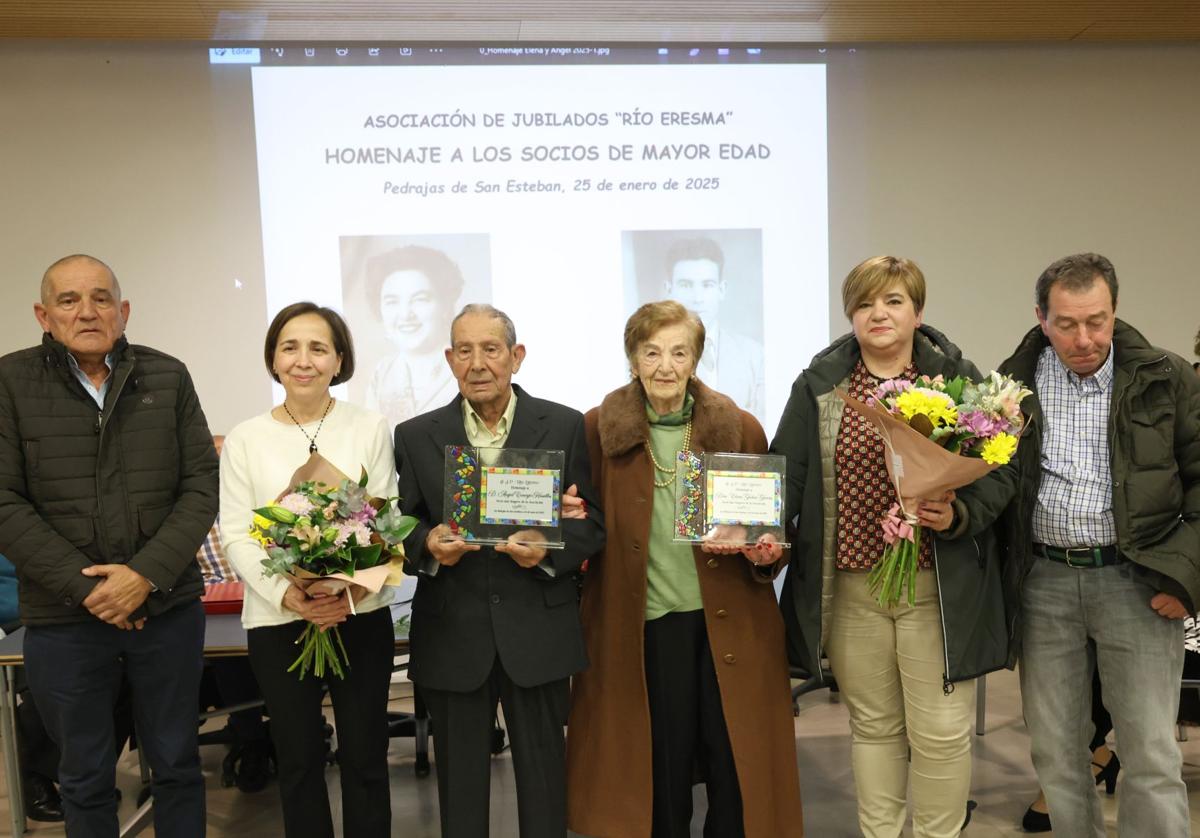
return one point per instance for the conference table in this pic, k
(223, 637)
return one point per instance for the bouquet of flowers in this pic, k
(940, 435)
(325, 534)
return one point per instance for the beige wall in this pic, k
(982, 163)
(143, 156)
(985, 164)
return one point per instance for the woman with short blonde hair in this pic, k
(905, 671)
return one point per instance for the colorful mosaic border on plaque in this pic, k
(689, 509)
(770, 475)
(556, 503)
(465, 495)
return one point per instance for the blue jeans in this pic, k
(1077, 619)
(75, 673)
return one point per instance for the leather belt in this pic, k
(1079, 556)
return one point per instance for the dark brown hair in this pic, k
(1075, 273)
(343, 344)
(443, 273)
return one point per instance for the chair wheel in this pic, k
(421, 768)
(497, 740)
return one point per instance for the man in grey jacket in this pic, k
(108, 485)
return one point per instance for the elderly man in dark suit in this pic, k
(495, 624)
(108, 483)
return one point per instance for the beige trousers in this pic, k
(905, 731)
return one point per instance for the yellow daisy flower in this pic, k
(999, 449)
(938, 407)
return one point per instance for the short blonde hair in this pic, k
(876, 275)
(652, 317)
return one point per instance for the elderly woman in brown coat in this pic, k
(688, 675)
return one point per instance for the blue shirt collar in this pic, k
(97, 393)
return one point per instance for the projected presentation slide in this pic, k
(566, 196)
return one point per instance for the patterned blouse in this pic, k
(864, 491)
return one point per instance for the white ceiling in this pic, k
(803, 21)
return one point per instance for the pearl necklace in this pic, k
(687, 445)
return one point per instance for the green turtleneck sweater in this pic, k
(671, 580)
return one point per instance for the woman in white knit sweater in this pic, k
(308, 349)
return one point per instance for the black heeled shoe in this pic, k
(1035, 821)
(971, 804)
(1108, 774)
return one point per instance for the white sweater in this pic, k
(258, 459)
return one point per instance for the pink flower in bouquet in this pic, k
(297, 503)
(354, 533)
(981, 425)
(891, 387)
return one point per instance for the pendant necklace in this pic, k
(312, 440)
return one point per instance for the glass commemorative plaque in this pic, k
(493, 493)
(729, 498)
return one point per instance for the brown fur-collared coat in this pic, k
(608, 735)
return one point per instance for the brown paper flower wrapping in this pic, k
(317, 469)
(918, 466)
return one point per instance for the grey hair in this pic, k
(510, 331)
(48, 281)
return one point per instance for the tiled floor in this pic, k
(1003, 780)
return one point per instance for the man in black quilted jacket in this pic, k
(108, 485)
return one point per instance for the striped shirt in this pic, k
(1074, 503)
(214, 567)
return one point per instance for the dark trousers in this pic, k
(235, 684)
(75, 675)
(687, 730)
(360, 715)
(36, 751)
(462, 736)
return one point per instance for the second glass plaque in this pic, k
(729, 498)
(493, 493)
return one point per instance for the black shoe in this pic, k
(1035, 821)
(254, 767)
(1108, 774)
(42, 802)
(971, 804)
